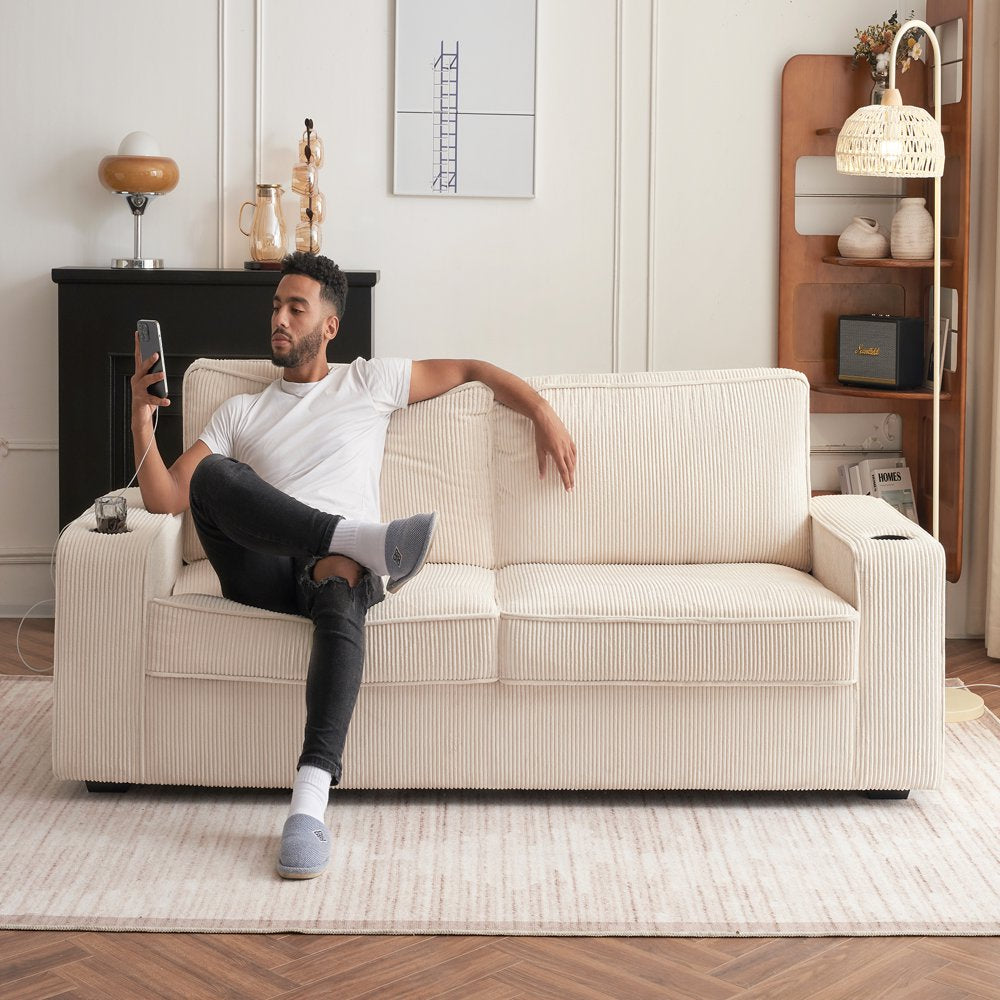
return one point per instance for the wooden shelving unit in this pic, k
(816, 286)
(885, 262)
(864, 392)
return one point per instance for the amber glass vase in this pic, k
(267, 234)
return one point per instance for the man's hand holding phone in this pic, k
(144, 403)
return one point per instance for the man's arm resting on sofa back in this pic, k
(434, 377)
(164, 491)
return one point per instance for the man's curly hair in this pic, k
(332, 281)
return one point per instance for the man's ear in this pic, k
(331, 325)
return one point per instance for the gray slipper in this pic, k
(305, 847)
(407, 542)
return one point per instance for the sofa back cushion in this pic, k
(207, 384)
(672, 467)
(437, 456)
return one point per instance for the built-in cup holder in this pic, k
(892, 538)
(111, 513)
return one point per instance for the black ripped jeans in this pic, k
(263, 545)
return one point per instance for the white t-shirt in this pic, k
(320, 442)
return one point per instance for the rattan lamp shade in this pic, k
(890, 140)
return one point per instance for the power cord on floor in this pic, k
(52, 560)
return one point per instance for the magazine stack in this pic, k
(887, 478)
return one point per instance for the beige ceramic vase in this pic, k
(912, 235)
(864, 239)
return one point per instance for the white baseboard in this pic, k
(19, 610)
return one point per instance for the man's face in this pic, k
(297, 321)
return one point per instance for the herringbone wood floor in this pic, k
(37, 964)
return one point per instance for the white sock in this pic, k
(311, 792)
(362, 541)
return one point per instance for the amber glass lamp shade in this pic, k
(138, 174)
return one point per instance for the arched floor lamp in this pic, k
(896, 140)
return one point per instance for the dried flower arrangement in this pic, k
(875, 42)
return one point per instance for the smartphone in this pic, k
(151, 343)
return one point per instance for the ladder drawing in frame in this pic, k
(445, 121)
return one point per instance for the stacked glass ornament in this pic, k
(305, 183)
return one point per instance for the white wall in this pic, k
(75, 78)
(643, 248)
(524, 283)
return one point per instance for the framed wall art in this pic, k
(465, 98)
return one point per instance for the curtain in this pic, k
(981, 576)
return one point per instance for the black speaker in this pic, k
(883, 351)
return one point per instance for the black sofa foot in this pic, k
(107, 786)
(882, 793)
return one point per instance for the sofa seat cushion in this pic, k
(728, 623)
(441, 627)
(197, 577)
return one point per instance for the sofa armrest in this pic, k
(893, 572)
(104, 584)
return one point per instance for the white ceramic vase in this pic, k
(864, 239)
(912, 234)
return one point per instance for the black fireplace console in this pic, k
(202, 314)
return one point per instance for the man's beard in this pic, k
(307, 349)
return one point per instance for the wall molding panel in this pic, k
(27, 555)
(258, 81)
(7, 446)
(239, 120)
(635, 156)
(654, 64)
(616, 251)
(220, 136)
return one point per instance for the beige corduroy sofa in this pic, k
(687, 617)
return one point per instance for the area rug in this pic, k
(682, 864)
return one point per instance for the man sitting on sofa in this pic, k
(283, 489)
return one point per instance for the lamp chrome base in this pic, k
(138, 203)
(138, 262)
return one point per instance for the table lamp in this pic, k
(139, 173)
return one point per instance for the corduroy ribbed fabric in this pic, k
(497, 735)
(104, 586)
(207, 384)
(714, 624)
(546, 646)
(673, 467)
(894, 573)
(438, 456)
(717, 624)
(441, 627)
